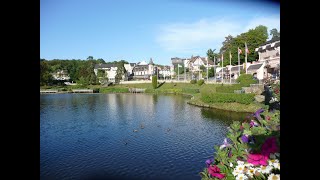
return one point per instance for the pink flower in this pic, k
(258, 159)
(269, 146)
(214, 171)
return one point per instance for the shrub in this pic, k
(229, 89)
(113, 90)
(246, 79)
(154, 82)
(193, 81)
(200, 82)
(228, 98)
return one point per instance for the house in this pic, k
(257, 70)
(196, 62)
(61, 75)
(110, 69)
(269, 55)
(144, 70)
(234, 71)
(129, 68)
(193, 64)
(165, 71)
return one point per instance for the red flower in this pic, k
(214, 171)
(268, 117)
(257, 159)
(269, 146)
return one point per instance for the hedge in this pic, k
(228, 98)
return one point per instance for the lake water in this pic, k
(92, 136)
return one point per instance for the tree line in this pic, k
(80, 71)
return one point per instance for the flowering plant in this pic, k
(250, 151)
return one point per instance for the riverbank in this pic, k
(188, 89)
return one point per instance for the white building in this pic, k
(110, 69)
(61, 75)
(269, 56)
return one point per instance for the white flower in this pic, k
(235, 172)
(231, 165)
(250, 172)
(276, 165)
(248, 165)
(240, 162)
(241, 177)
(266, 169)
(274, 176)
(240, 168)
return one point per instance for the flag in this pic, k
(239, 51)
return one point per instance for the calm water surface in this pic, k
(91, 136)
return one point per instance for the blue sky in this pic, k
(137, 30)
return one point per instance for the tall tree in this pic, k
(211, 54)
(275, 34)
(90, 58)
(120, 72)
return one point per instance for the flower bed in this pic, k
(250, 151)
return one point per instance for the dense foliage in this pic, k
(75, 68)
(228, 98)
(244, 80)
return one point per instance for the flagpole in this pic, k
(230, 67)
(185, 72)
(214, 63)
(199, 67)
(239, 61)
(207, 69)
(222, 69)
(178, 72)
(246, 55)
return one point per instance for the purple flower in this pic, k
(257, 113)
(245, 138)
(209, 161)
(225, 144)
(253, 123)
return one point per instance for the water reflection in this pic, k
(222, 115)
(83, 134)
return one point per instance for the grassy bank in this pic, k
(206, 95)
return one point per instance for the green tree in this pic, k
(254, 38)
(83, 81)
(275, 34)
(154, 82)
(100, 60)
(45, 76)
(211, 54)
(211, 72)
(181, 69)
(90, 58)
(120, 72)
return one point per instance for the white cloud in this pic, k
(192, 38)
